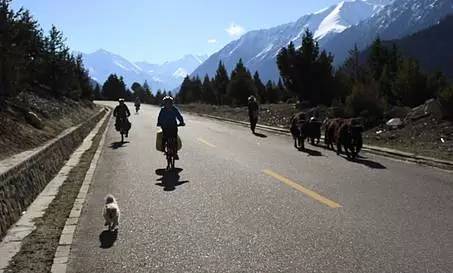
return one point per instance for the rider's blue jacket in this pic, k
(167, 117)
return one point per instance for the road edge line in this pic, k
(63, 250)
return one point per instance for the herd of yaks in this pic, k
(338, 133)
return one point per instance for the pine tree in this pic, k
(114, 88)
(138, 91)
(307, 72)
(241, 85)
(220, 83)
(208, 95)
(378, 58)
(184, 91)
(97, 92)
(411, 85)
(260, 88)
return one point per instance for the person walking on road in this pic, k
(253, 112)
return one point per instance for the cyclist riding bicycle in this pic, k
(121, 113)
(167, 120)
(137, 104)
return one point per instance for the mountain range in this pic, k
(169, 75)
(337, 29)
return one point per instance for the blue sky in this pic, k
(162, 30)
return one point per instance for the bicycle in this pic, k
(122, 127)
(171, 149)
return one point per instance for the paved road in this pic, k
(242, 203)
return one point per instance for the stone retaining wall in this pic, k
(21, 182)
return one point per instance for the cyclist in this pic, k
(121, 113)
(137, 104)
(167, 120)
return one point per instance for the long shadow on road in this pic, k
(118, 144)
(170, 179)
(311, 152)
(369, 163)
(260, 135)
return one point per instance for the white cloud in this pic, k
(212, 41)
(235, 30)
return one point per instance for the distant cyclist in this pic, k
(137, 104)
(168, 117)
(253, 112)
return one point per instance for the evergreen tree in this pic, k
(139, 91)
(261, 89)
(208, 95)
(159, 96)
(83, 80)
(97, 92)
(285, 93)
(31, 61)
(272, 92)
(307, 72)
(241, 85)
(220, 83)
(411, 85)
(114, 88)
(184, 91)
(378, 58)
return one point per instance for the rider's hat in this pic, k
(121, 100)
(251, 98)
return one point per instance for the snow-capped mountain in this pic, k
(173, 73)
(396, 20)
(168, 75)
(259, 48)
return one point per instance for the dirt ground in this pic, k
(426, 137)
(17, 135)
(38, 249)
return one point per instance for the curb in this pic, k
(63, 250)
(410, 157)
(12, 242)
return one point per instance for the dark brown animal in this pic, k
(299, 129)
(331, 127)
(348, 135)
(314, 131)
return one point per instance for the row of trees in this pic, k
(115, 88)
(233, 90)
(30, 60)
(366, 84)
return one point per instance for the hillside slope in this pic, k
(18, 135)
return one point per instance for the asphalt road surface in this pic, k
(245, 203)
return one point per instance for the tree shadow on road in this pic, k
(369, 163)
(170, 179)
(260, 135)
(118, 144)
(107, 238)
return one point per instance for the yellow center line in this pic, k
(207, 143)
(304, 190)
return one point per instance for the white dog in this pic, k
(111, 212)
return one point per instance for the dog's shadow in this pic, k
(169, 180)
(107, 238)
